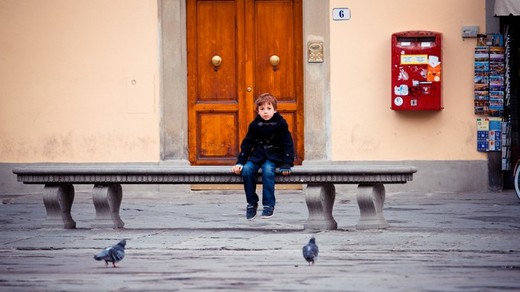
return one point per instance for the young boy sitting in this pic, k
(267, 145)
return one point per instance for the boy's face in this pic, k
(266, 111)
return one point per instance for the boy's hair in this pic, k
(265, 98)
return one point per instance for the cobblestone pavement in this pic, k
(178, 241)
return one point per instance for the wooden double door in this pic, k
(238, 49)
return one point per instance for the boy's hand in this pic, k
(285, 171)
(237, 169)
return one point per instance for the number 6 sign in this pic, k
(340, 14)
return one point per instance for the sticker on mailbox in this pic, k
(401, 90)
(398, 101)
(414, 59)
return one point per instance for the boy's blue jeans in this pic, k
(249, 171)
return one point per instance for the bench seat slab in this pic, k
(320, 200)
(57, 200)
(370, 198)
(107, 201)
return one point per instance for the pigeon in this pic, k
(310, 251)
(112, 254)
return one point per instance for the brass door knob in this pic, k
(216, 61)
(274, 60)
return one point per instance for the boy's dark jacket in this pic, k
(268, 140)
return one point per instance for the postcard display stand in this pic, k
(491, 92)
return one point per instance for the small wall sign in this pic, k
(315, 52)
(340, 14)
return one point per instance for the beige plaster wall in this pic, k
(363, 125)
(79, 81)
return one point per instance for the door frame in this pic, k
(174, 93)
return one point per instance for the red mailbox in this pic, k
(416, 71)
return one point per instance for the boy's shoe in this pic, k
(251, 212)
(267, 212)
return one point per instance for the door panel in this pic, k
(273, 40)
(244, 34)
(213, 103)
(216, 38)
(278, 32)
(215, 133)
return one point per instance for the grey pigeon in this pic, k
(310, 251)
(113, 254)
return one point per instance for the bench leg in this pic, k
(107, 201)
(370, 198)
(57, 200)
(320, 200)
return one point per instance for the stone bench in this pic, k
(107, 194)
